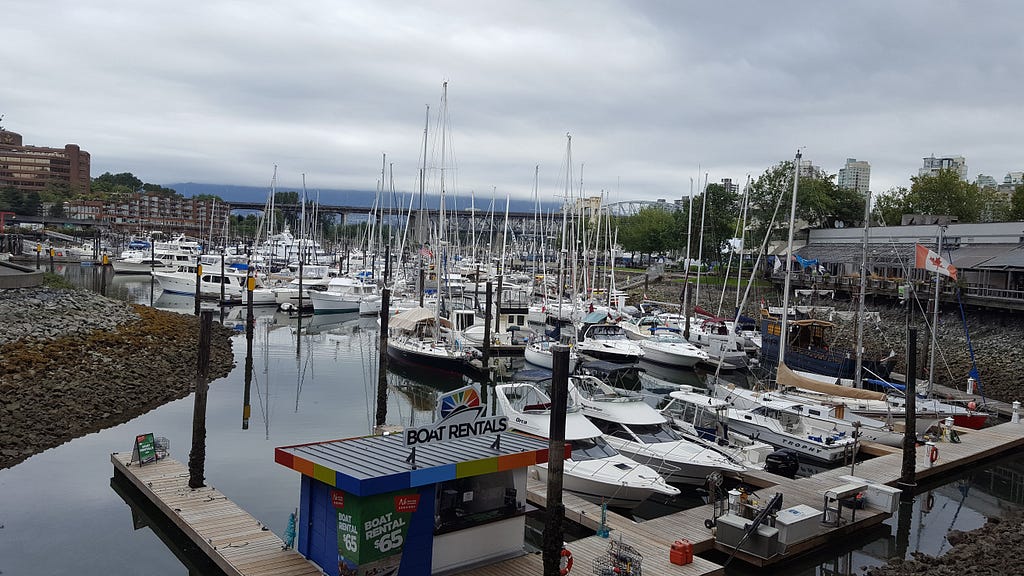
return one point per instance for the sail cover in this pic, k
(408, 319)
(787, 377)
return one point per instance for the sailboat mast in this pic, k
(504, 235)
(784, 327)
(858, 366)
(700, 250)
(536, 215)
(421, 222)
(743, 241)
(912, 379)
(565, 216)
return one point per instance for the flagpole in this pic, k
(935, 325)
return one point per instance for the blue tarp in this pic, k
(885, 384)
(804, 263)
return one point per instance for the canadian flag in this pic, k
(932, 262)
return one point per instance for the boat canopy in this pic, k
(408, 319)
(596, 318)
(787, 377)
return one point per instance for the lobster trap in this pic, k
(620, 560)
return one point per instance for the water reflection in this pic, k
(330, 392)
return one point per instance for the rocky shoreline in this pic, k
(74, 362)
(994, 549)
(996, 337)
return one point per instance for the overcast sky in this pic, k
(219, 92)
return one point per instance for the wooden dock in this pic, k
(654, 537)
(238, 543)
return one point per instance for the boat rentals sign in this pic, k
(459, 414)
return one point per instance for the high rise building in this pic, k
(856, 175)
(986, 181)
(1014, 178)
(933, 165)
(809, 170)
(729, 186)
(31, 168)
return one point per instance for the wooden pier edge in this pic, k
(238, 543)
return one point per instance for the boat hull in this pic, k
(615, 496)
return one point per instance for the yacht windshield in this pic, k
(654, 433)
(608, 333)
(591, 449)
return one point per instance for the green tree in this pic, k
(995, 206)
(891, 205)
(945, 194)
(648, 232)
(1016, 213)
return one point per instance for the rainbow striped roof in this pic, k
(377, 464)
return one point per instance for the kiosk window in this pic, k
(467, 502)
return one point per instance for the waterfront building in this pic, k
(932, 165)
(31, 168)
(154, 211)
(855, 175)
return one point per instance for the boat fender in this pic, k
(567, 558)
(933, 454)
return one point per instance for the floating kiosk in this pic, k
(430, 500)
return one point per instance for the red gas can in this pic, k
(682, 552)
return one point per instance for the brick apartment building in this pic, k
(145, 211)
(31, 168)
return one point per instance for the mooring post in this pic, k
(197, 456)
(39, 248)
(909, 473)
(422, 285)
(222, 284)
(487, 332)
(497, 306)
(553, 534)
(51, 260)
(1015, 417)
(382, 366)
(250, 328)
(199, 282)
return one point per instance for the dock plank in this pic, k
(213, 522)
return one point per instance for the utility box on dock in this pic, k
(763, 543)
(877, 496)
(797, 524)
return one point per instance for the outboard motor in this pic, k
(784, 462)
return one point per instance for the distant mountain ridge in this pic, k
(363, 198)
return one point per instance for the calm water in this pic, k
(60, 513)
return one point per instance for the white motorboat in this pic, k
(595, 471)
(183, 281)
(343, 295)
(640, 432)
(606, 341)
(538, 353)
(773, 422)
(706, 420)
(665, 347)
(819, 415)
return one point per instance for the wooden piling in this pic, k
(197, 456)
(909, 473)
(382, 366)
(553, 532)
(487, 332)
